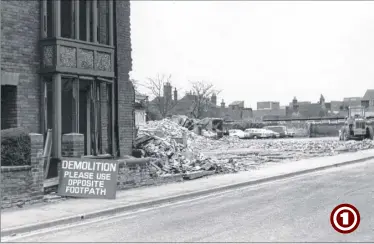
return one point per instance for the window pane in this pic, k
(67, 29)
(91, 21)
(49, 19)
(84, 113)
(8, 107)
(82, 20)
(67, 106)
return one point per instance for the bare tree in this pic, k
(202, 92)
(164, 103)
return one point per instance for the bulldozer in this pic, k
(356, 125)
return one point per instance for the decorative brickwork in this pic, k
(85, 58)
(68, 57)
(103, 61)
(48, 55)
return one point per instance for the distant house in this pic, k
(237, 105)
(260, 114)
(307, 109)
(267, 105)
(334, 107)
(368, 102)
(351, 101)
(312, 110)
(368, 99)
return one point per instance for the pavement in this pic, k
(79, 210)
(294, 209)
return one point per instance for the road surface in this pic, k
(292, 210)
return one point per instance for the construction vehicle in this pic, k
(356, 125)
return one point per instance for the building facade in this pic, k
(268, 105)
(65, 66)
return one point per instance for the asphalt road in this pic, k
(292, 210)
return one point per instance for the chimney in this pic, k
(295, 106)
(175, 95)
(214, 99)
(167, 91)
(222, 104)
(322, 100)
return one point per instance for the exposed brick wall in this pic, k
(72, 145)
(8, 107)
(131, 175)
(24, 184)
(125, 90)
(20, 56)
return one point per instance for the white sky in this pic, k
(257, 51)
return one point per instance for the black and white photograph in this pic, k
(187, 121)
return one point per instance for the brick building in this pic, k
(268, 105)
(65, 66)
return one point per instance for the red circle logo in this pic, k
(345, 218)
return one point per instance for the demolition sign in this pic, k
(90, 178)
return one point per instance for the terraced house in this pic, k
(65, 66)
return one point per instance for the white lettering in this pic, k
(85, 190)
(64, 164)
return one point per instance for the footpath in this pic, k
(35, 217)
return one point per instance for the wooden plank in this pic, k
(47, 152)
(51, 182)
(105, 80)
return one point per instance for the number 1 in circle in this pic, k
(345, 217)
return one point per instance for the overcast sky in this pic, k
(257, 51)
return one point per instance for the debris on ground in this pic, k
(174, 148)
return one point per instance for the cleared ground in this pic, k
(241, 155)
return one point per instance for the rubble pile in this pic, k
(176, 149)
(168, 156)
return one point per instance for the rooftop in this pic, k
(237, 103)
(369, 94)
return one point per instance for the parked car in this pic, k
(237, 133)
(255, 133)
(271, 134)
(290, 133)
(282, 130)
